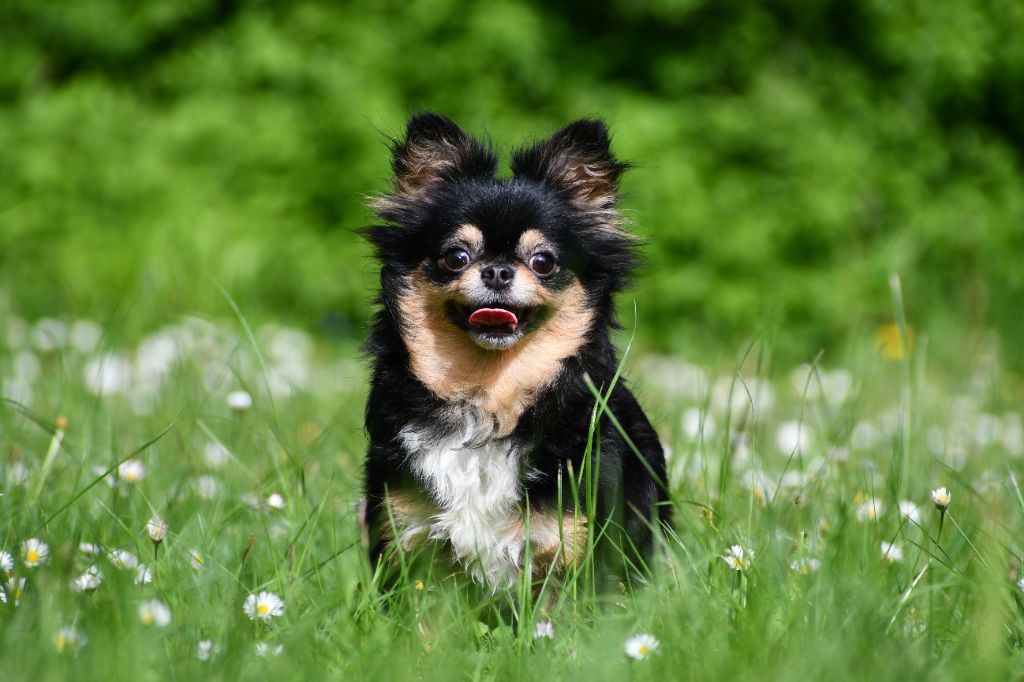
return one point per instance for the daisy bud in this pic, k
(156, 529)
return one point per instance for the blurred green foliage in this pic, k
(791, 154)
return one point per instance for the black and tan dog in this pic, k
(495, 303)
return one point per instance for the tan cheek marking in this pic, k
(501, 384)
(471, 235)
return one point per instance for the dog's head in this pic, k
(501, 261)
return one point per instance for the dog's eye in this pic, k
(455, 260)
(543, 263)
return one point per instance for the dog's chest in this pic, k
(476, 491)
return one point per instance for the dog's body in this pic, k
(496, 303)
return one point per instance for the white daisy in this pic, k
(196, 559)
(239, 400)
(89, 548)
(738, 558)
(794, 437)
(88, 581)
(805, 565)
(641, 646)
(911, 511)
(265, 605)
(131, 471)
(264, 649)
(891, 552)
(154, 612)
(276, 501)
(6, 562)
(205, 649)
(15, 589)
(69, 638)
(543, 629)
(207, 487)
(143, 576)
(216, 455)
(870, 510)
(941, 497)
(1020, 584)
(156, 529)
(35, 552)
(123, 559)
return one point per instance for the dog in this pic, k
(490, 340)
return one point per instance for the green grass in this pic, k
(897, 432)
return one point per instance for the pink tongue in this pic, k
(493, 317)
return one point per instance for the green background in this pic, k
(791, 155)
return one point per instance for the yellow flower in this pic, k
(890, 343)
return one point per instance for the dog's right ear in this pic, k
(436, 150)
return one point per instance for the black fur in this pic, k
(565, 187)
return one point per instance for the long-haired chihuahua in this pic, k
(491, 339)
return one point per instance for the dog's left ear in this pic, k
(578, 161)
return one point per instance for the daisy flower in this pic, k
(131, 471)
(207, 487)
(6, 562)
(15, 589)
(276, 501)
(239, 400)
(641, 646)
(89, 548)
(891, 552)
(738, 558)
(805, 565)
(88, 581)
(143, 576)
(196, 559)
(156, 529)
(205, 649)
(154, 612)
(69, 638)
(215, 454)
(870, 510)
(122, 559)
(941, 497)
(35, 552)
(543, 629)
(911, 511)
(264, 649)
(1020, 584)
(265, 605)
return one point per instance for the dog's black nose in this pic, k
(498, 276)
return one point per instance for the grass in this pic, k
(806, 470)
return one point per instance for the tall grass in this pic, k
(823, 503)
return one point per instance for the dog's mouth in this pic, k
(494, 327)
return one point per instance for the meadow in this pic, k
(825, 332)
(807, 542)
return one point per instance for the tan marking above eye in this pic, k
(471, 236)
(530, 242)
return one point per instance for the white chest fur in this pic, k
(476, 488)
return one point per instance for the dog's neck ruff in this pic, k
(476, 488)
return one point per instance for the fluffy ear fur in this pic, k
(435, 150)
(578, 161)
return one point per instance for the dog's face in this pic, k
(502, 261)
(503, 272)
